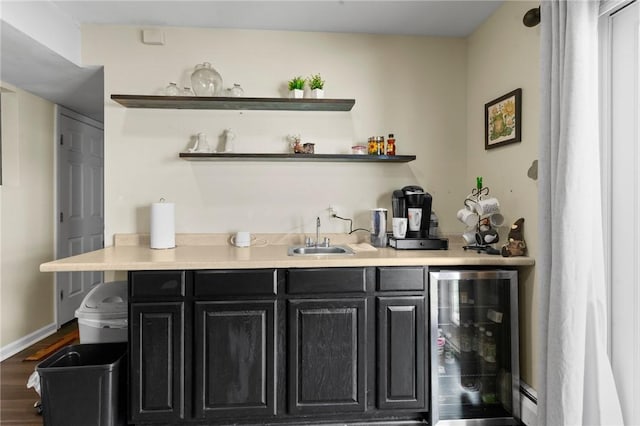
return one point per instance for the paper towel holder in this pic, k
(162, 225)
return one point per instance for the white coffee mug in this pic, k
(496, 219)
(488, 206)
(469, 237)
(415, 218)
(467, 217)
(241, 239)
(399, 227)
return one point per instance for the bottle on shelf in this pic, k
(475, 338)
(480, 353)
(488, 393)
(467, 363)
(380, 145)
(448, 349)
(391, 145)
(481, 340)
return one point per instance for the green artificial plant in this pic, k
(297, 83)
(316, 82)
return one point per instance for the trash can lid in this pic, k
(105, 301)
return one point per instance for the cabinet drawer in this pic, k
(326, 280)
(236, 283)
(157, 283)
(400, 278)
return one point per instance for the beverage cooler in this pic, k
(474, 347)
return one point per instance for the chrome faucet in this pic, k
(317, 243)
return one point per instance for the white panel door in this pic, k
(80, 205)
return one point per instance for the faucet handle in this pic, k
(326, 242)
(308, 242)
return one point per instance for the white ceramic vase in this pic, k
(296, 94)
(317, 94)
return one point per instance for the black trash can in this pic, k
(85, 385)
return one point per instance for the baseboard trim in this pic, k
(528, 405)
(21, 344)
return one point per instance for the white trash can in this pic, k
(102, 316)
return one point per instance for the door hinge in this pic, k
(61, 295)
(61, 217)
(61, 139)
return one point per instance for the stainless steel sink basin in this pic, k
(319, 251)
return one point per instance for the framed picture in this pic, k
(503, 120)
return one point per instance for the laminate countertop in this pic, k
(131, 252)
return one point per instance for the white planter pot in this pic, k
(296, 94)
(317, 94)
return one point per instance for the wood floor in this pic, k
(16, 401)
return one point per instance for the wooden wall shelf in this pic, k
(232, 156)
(228, 103)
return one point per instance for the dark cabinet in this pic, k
(156, 361)
(234, 359)
(294, 346)
(327, 349)
(401, 335)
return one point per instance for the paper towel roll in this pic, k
(163, 234)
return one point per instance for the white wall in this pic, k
(414, 87)
(430, 92)
(47, 24)
(26, 214)
(503, 56)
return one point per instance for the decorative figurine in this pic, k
(516, 245)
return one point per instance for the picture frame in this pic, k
(503, 120)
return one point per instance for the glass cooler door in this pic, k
(474, 347)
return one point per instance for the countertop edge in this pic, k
(137, 258)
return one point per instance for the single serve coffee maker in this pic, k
(414, 203)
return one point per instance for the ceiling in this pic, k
(448, 18)
(33, 67)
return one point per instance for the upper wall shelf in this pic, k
(227, 103)
(191, 156)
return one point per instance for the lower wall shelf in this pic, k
(232, 156)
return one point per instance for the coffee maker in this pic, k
(414, 203)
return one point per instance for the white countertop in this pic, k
(131, 252)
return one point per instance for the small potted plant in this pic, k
(316, 84)
(296, 87)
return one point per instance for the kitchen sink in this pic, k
(319, 251)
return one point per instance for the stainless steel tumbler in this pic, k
(379, 227)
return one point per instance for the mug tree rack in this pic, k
(473, 198)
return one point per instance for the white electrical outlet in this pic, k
(333, 211)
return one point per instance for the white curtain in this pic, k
(575, 385)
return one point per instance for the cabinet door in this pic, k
(234, 359)
(327, 347)
(401, 352)
(156, 365)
